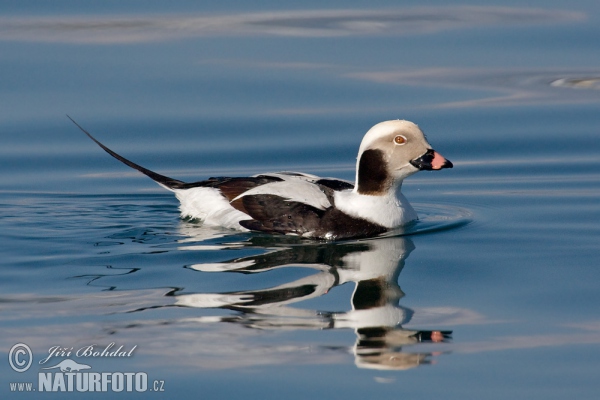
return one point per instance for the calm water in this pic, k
(493, 293)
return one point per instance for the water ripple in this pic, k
(304, 23)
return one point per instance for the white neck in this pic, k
(390, 210)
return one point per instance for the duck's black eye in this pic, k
(400, 139)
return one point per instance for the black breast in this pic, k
(274, 214)
(343, 226)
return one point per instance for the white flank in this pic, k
(209, 205)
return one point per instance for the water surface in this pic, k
(493, 292)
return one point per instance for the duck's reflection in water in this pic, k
(373, 266)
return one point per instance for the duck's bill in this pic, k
(432, 160)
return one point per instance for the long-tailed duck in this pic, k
(306, 205)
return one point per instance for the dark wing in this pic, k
(335, 184)
(275, 214)
(340, 225)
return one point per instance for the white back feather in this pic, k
(294, 190)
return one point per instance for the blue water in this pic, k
(493, 293)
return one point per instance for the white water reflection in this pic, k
(387, 334)
(372, 266)
(308, 23)
(578, 83)
(508, 86)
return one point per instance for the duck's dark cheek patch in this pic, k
(372, 173)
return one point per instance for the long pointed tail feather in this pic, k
(162, 180)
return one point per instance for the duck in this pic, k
(309, 206)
